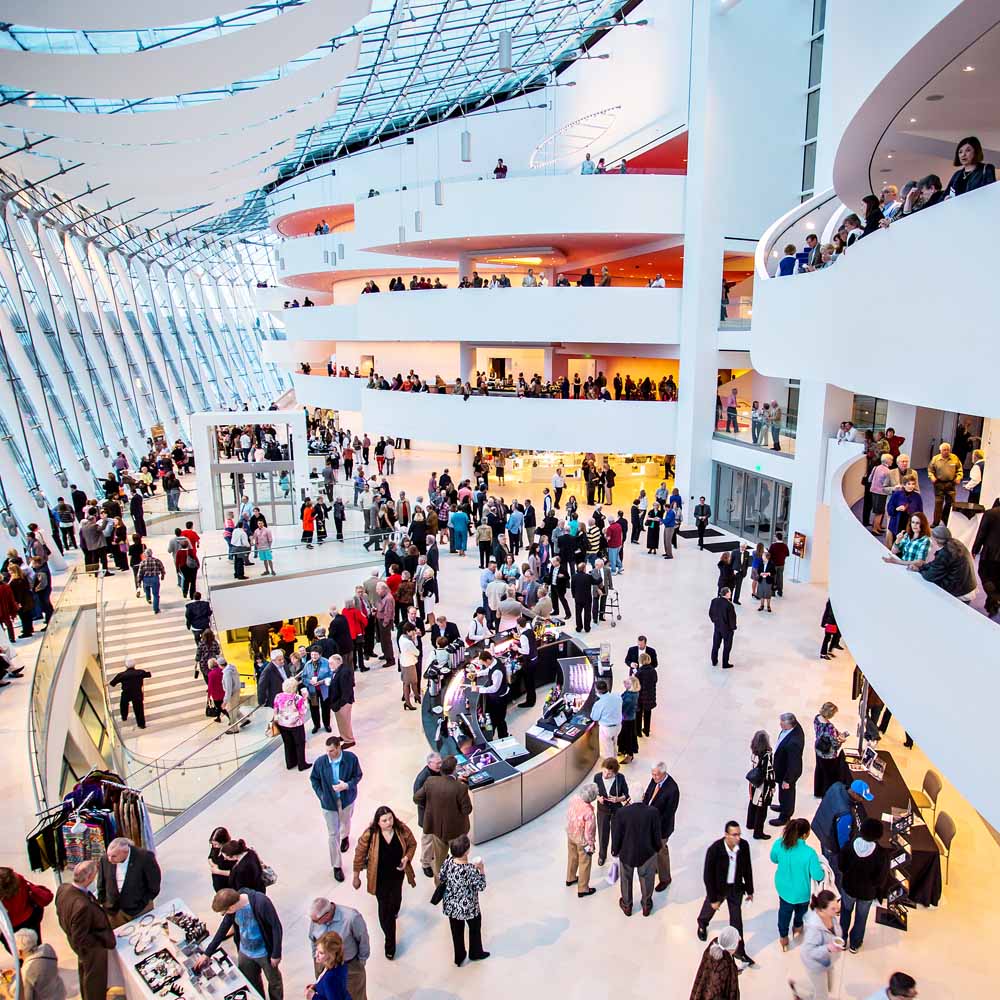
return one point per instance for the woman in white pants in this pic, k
(821, 945)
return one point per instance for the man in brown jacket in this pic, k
(447, 806)
(87, 929)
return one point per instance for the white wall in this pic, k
(497, 316)
(799, 324)
(650, 204)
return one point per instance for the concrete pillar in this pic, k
(991, 476)
(468, 453)
(703, 245)
(902, 418)
(465, 261)
(821, 409)
(466, 361)
(547, 364)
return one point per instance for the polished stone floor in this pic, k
(542, 938)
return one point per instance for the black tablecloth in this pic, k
(925, 862)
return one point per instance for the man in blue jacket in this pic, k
(334, 779)
(838, 819)
(258, 935)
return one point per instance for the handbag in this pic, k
(613, 871)
(756, 775)
(272, 728)
(209, 704)
(438, 893)
(268, 875)
(830, 629)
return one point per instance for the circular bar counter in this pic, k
(512, 783)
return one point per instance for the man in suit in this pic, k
(664, 796)
(741, 566)
(131, 679)
(334, 778)
(787, 766)
(702, 515)
(443, 627)
(87, 929)
(129, 881)
(447, 807)
(430, 768)
(274, 674)
(582, 586)
(728, 878)
(635, 840)
(722, 615)
(987, 547)
(632, 657)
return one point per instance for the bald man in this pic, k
(87, 928)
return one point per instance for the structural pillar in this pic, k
(703, 245)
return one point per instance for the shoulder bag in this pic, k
(438, 893)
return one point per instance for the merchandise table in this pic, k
(925, 861)
(163, 969)
(510, 783)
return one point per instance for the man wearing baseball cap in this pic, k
(838, 819)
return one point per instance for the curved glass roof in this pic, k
(421, 62)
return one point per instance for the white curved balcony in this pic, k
(541, 210)
(337, 256)
(500, 315)
(898, 316)
(945, 689)
(570, 425)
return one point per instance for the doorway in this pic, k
(750, 505)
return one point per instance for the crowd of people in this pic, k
(919, 540)
(891, 206)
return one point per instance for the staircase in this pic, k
(162, 645)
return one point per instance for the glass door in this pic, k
(751, 507)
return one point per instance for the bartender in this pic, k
(492, 685)
(479, 629)
(528, 648)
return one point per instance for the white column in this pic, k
(547, 364)
(703, 243)
(464, 267)
(991, 476)
(468, 453)
(902, 418)
(466, 361)
(821, 409)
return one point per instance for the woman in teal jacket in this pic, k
(798, 867)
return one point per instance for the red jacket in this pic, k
(20, 906)
(613, 533)
(215, 689)
(357, 621)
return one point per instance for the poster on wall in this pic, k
(798, 544)
(367, 364)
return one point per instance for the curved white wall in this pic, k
(569, 425)
(905, 314)
(942, 681)
(514, 315)
(558, 205)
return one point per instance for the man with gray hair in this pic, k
(787, 766)
(87, 929)
(326, 915)
(40, 979)
(129, 881)
(431, 767)
(131, 679)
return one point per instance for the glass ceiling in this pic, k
(421, 61)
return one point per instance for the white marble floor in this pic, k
(540, 935)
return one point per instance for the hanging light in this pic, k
(466, 146)
(418, 221)
(438, 193)
(505, 62)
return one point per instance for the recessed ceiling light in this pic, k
(889, 157)
(934, 97)
(913, 121)
(968, 69)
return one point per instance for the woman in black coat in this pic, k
(831, 633)
(247, 871)
(646, 673)
(762, 790)
(653, 529)
(972, 172)
(727, 575)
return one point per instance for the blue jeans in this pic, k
(173, 499)
(151, 588)
(785, 912)
(614, 559)
(854, 936)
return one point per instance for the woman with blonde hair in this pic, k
(628, 740)
(717, 977)
(290, 711)
(332, 981)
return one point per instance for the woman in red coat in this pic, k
(23, 901)
(308, 522)
(8, 609)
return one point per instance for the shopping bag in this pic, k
(613, 870)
